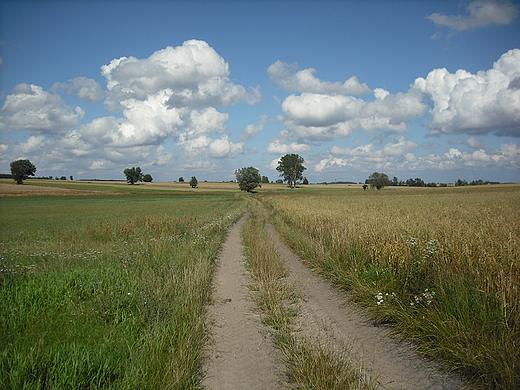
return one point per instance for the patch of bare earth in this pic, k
(240, 354)
(26, 190)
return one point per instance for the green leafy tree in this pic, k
(147, 178)
(417, 182)
(248, 178)
(21, 170)
(181, 179)
(305, 181)
(378, 180)
(133, 175)
(291, 168)
(194, 182)
(265, 179)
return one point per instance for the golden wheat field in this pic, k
(443, 265)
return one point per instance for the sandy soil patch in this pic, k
(240, 353)
(26, 190)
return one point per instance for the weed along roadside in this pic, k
(325, 342)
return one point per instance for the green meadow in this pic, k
(108, 290)
(101, 292)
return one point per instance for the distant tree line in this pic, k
(380, 180)
(479, 182)
(290, 167)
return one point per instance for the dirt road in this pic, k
(241, 355)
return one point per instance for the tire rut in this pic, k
(326, 310)
(240, 353)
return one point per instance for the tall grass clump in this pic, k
(112, 295)
(442, 266)
(311, 363)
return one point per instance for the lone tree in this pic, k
(133, 175)
(21, 170)
(147, 178)
(248, 178)
(194, 182)
(378, 180)
(291, 168)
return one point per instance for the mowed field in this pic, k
(104, 285)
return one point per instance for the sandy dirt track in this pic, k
(241, 356)
(8, 190)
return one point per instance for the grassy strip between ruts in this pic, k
(311, 363)
(106, 292)
(443, 267)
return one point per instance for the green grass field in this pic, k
(106, 288)
(106, 292)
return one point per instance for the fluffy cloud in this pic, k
(481, 13)
(194, 75)
(475, 143)
(479, 103)
(82, 87)
(251, 131)
(223, 147)
(290, 78)
(507, 157)
(276, 147)
(31, 146)
(29, 107)
(170, 95)
(321, 117)
(401, 155)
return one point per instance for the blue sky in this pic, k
(427, 89)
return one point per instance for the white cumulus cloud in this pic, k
(30, 107)
(290, 78)
(322, 116)
(194, 75)
(82, 87)
(486, 102)
(277, 147)
(223, 147)
(250, 131)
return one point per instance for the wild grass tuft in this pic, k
(311, 363)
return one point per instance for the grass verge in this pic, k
(311, 363)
